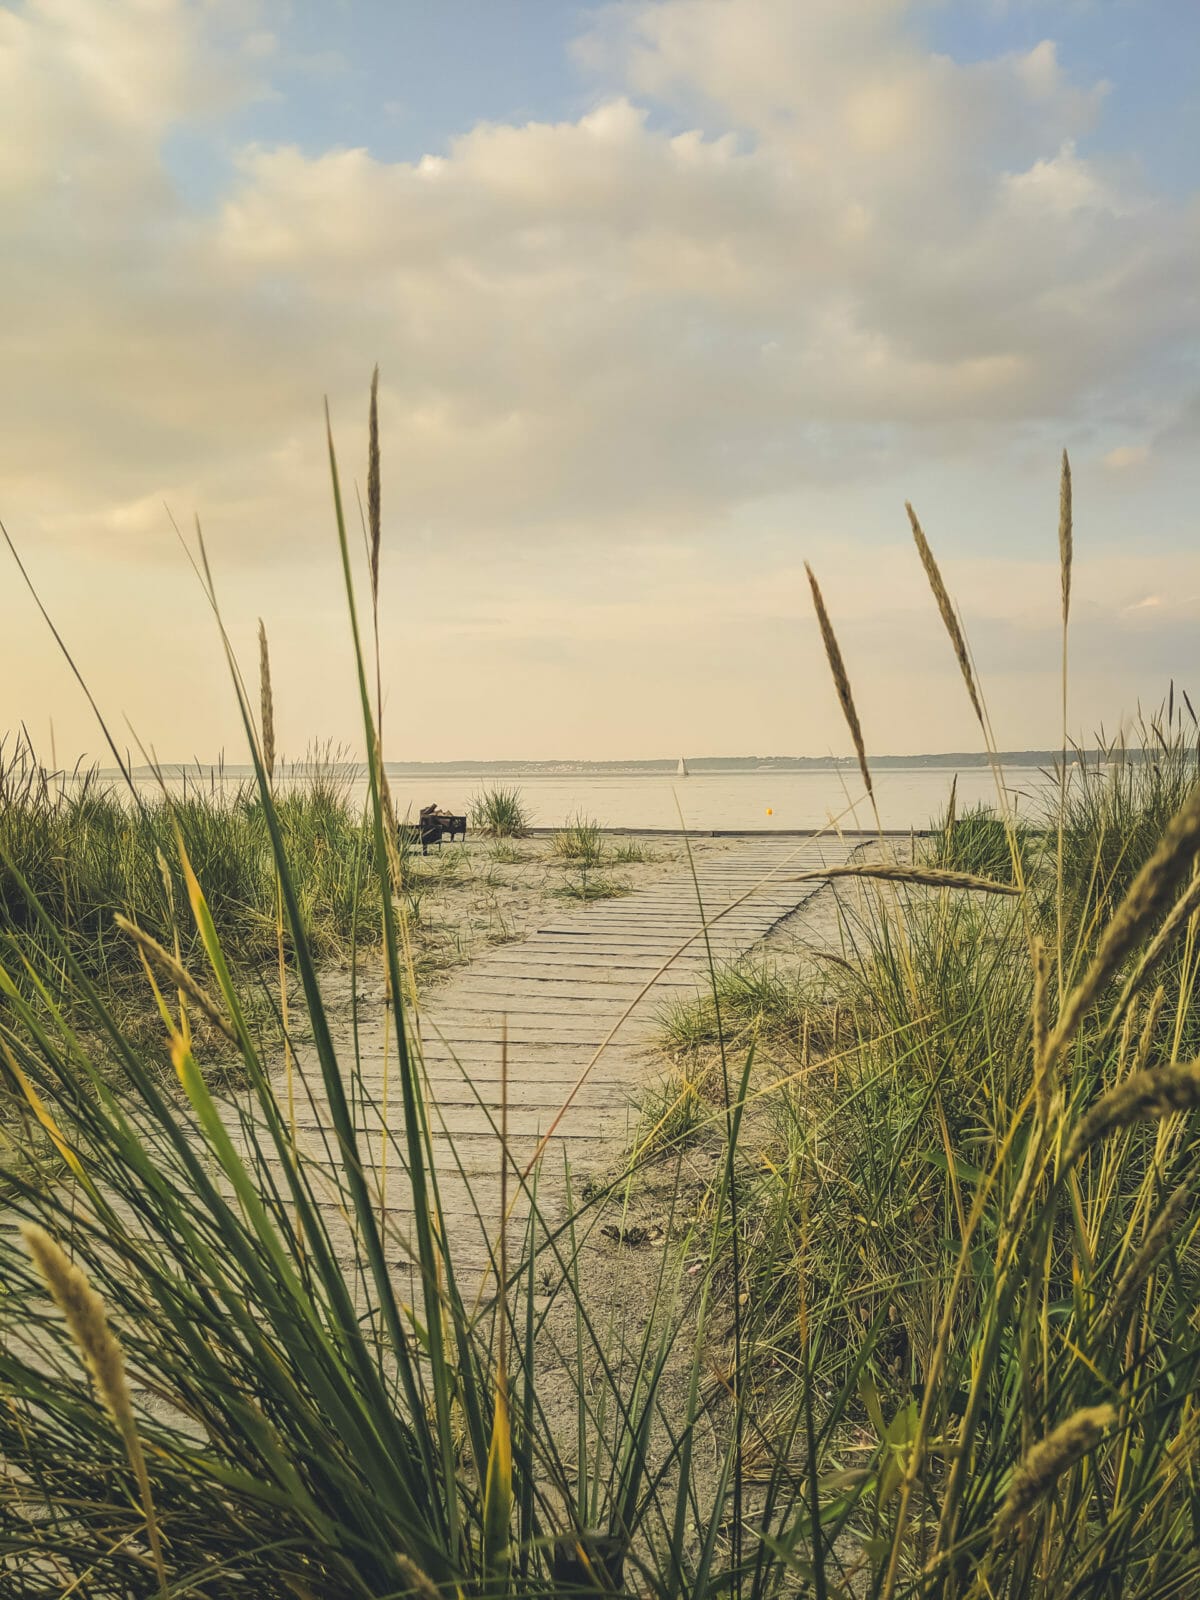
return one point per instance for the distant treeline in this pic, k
(701, 764)
(696, 764)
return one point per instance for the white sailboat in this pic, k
(681, 770)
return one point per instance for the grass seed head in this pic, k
(268, 703)
(1181, 913)
(419, 1582)
(841, 680)
(373, 493)
(1153, 1243)
(926, 877)
(86, 1317)
(946, 609)
(87, 1322)
(1049, 1459)
(1066, 543)
(178, 975)
(1143, 1097)
(1149, 1024)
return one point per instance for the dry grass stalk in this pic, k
(946, 608)
(178, 974)
(841, 681)
(1157, 1000)
(1153, 1242)
(1181, 913)
(373, 491)
(268, 703)
(1143, 1097)
(1148, 895)
(168, 883)
(391, 830)
(87, 1321)
(1127, 1028)
(1049, 1459)
(1043, 1080)
(1066, 544)
(930, 877)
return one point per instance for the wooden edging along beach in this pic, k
(859, 834)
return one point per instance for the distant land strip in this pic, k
(697, 765)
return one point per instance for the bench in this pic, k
(431, 827)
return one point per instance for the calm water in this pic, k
(727, 800)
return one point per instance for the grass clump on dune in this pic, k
(591, 886)
(581, 840)
(506, 855)
(741, 998)
(633, 852)
(500, 813)
(1117, 805)
(981, 842)
(85, 851)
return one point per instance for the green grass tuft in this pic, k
(591, 886)
(581, 840)
(500, 813)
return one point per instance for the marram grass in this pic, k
(841, 678)
(923, 1319)
(1047, 1461)
(87, 1322)
(500, 813)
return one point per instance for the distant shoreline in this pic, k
(698, 766)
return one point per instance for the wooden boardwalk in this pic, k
(579, 1000)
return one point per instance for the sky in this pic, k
(668, 297)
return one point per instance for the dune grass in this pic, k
(981, 842)
(591, 886)
(633, 852)
(85, 850)
(580, 840)
(507, 855)
(936, 1336)
(91, 851)
(500, 813)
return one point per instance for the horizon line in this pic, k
(1029, 755)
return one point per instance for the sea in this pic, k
(726, 801)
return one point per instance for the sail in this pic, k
(681, 770)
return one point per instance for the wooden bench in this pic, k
(431, 827)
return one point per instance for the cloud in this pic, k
(585, 327)
(1125, 456)
(88, 90)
